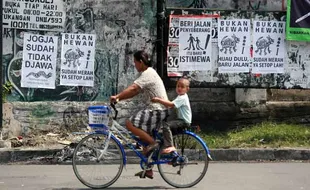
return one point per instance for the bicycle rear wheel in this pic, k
(98, 162)
(189, 167)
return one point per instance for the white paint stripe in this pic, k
(1, 182)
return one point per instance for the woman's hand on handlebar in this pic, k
(114, 99)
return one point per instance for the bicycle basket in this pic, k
(98, 117)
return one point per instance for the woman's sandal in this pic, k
(148, 174)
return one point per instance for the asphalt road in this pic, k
(220, 176)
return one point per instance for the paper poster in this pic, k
(269, 47)
(173, 48)
(173, 61)
(39, 61)
(195, 48)
(174, 30)
(298, 20)
(77, 60)
(234, 45)
(34, 14)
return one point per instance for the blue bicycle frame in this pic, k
(120, 130)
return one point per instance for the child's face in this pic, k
(182, 87)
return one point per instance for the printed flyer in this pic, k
(234, 45)
(298, 20)
(77, 60)
(48, 15)
(39, 61)
(195, 48)
(268, 47)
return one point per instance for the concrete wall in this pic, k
(264, 5)
(121, 28)
(124, 26)
(131, 25)
(297, 58)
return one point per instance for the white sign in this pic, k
(39, 61)
(173, 48)
(173, 61)
(34, 14)
(77, 59)
(174, 30)
(268, 47)
(195, 43)
(234, 45)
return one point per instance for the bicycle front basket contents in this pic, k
(98, 117)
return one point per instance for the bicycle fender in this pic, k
(118, 143)
(205, 146)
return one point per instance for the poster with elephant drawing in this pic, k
(268, 47)
(77, 60)
(234, 45)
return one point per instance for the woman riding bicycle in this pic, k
(149, 117)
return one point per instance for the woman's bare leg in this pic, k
(144, 136)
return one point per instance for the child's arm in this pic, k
(164, 102)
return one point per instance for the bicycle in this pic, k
(102, 148)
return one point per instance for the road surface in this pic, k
(220, 176)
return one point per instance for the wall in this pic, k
(121, 28)
(131, 25)
(297, 58)
(128, 25)
(265, 5)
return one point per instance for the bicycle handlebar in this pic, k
(115, 110)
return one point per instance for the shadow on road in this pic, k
(115, 188)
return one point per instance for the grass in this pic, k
(265, 135)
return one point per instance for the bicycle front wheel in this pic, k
(98, 161)
(189, 167)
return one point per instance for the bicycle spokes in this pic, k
(189, 164)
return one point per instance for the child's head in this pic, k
(182, 86)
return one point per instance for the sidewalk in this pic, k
(62, 156)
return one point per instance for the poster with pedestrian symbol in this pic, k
(298, 20)
(77, 59)
(39, 61)
(195, 44)
(234, 45)
(268, 47)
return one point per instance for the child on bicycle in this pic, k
(184, 113)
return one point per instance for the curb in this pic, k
(259, 154)
(48, 155)
(14, 155)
